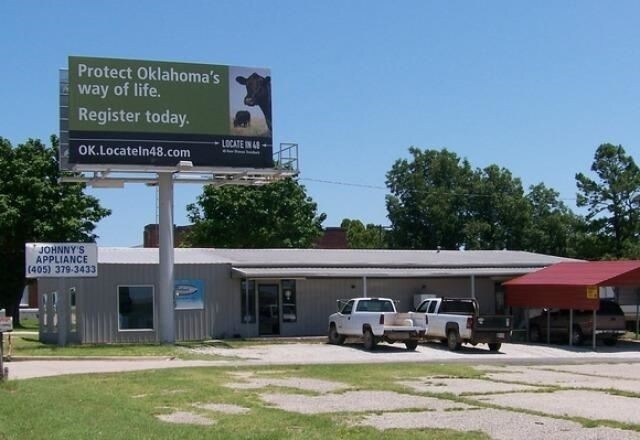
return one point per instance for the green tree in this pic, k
(277, 215)
(498, 212)
(613, 201)
(427, 206)
(360, 236)
(35, 207)
(554, 229)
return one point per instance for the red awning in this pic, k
(570, 285)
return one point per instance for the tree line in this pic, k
(436, 200)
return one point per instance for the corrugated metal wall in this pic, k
(317, 298)
(97, 301)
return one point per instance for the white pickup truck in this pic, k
(457, 320)
(375, 320)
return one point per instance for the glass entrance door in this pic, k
(268, 309)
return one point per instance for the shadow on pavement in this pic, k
(623, 346)
(464, 349)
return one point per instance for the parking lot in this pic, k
(525, 390)
(316, 351)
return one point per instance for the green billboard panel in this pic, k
(157, 113)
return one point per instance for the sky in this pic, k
(534, 87)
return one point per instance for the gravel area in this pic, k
(318, 353)
(186, 418)
(496, 423)
(225, 408)
(592, 405)
(619, 371)
(464, 386)
(357, 401)
(314, 385)
(536, 376)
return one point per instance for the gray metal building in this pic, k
(224, 293)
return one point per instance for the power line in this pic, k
(333, 182)
(384, 188)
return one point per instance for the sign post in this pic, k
(6, 325)
(166, 309)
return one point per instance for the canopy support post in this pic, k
(593, 338)
(548, 326)
(570, 327)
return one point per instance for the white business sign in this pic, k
(56, 260)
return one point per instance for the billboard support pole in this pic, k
(165, 297)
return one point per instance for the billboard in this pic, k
(157, 114)
(61, 260)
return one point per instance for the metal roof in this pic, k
(118, 255)
(331, 257)
(570, 285)
(383, 258)
(586, 273)
(374, 272)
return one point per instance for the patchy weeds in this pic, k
(357, 401)
(461, 386)
(498, 424)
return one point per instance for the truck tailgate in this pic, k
(493, 322)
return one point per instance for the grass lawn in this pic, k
(29, 345)
(28, 324)
(125, 405)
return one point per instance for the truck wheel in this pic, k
(411, 345)
(494, 346)
(335, 337)
(369, 340)
(452, 340)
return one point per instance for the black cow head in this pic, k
(258, 89)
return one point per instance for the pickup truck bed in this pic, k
(375, 320)
(457, 321)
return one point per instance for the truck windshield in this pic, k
(375, 305)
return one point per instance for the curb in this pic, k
(90, 358)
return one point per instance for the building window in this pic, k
(45, 311)
(54, 311)
(73, 325)
(248, 302)
(135, 307)
(289, 301)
